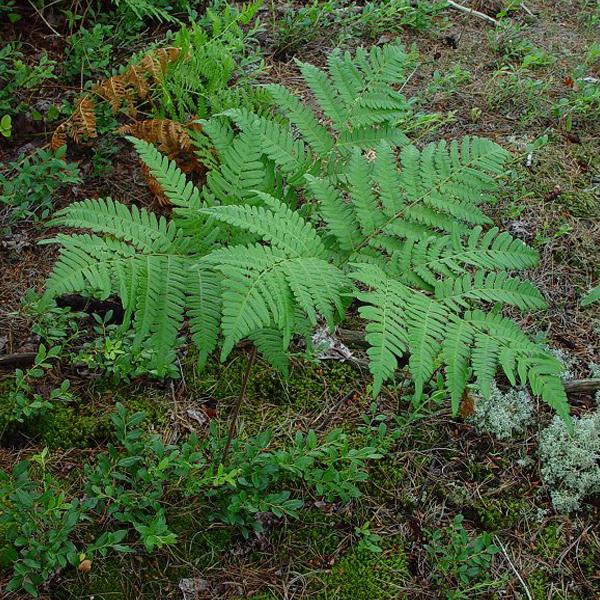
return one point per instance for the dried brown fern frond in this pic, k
(121, 91)
(171, 137)
(59, 137)
(166, 56)
(83, 120)
(135, 78)
(114, 91)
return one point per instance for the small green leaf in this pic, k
(6, 126)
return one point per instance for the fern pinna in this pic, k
(385, 227)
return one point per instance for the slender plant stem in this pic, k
(238, 404)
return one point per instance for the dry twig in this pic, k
(473, 12)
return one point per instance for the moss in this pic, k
(496, 514)
(538, 585)
(551, 542)
(314, 534)
(199, 542)
(304, 389)
(386, 478)
(365, 576)
(87, 422)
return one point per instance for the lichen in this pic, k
(570, 461)
(503, 414)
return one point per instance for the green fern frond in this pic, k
(426, 325)
(384, 309)
(456, 349)
(337, 214)
(204, 311)
(263, 286)
(160, 305)
(241, 172)
(366, 208)
(326, 95)
(136, 226)
(485, 356)
(177, 189)
(270, 343)
(367, 138)
(220, 133)
(278, 143)
(489, 287)
(276, 223)
(364, 84)
(450, 255)
(303, 118)
(592, 296)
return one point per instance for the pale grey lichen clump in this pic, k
(503, 414)
(571, 462)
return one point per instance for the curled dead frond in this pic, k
(83, 120)
(122, 91)
(59, 137)
(171, 137)
(113, 90)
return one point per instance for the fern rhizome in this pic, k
(307, 216)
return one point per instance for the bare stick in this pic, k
(238, 404)
(21, 359)
(473, 12)
(527, 10)
(39, 12)
(582, 386)
(521, 580)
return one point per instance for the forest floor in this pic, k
(502, 82)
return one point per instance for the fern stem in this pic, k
(238, 404)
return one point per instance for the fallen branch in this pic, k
(357, 339)
(582, 386)
(473, 12)
(20, 359)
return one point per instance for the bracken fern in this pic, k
(394, 230)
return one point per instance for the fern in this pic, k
(592, 296)
(398, 231)
(145, 8)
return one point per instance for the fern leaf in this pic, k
(456, 348)
(255, 293)
(165, 302)
(303, 118)
(270, 343)
(278, 144)
(488, 287)
(277, 224)
(385, 173)
(338, 215)
(318, 287)
(365, 204)
(180, 192)
(452, 254)
(326, 94)
(543, 375)
(242, 171)
(204, 311)
(426, 325)
(485, 361)
(137, 226)
(367, 138)
(386, 330)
